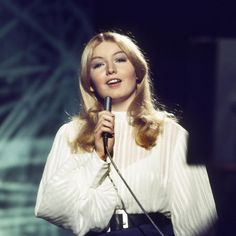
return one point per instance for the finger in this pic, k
(105, 115)
(98, 132)
(104, 123)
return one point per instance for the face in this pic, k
(112, 74)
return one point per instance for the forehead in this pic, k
(106, 48)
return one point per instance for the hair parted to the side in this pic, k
(142, 111)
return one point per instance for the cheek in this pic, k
(132, 77)
(97, 75)
(94, 78)
(96, 84)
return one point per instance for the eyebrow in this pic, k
(98, 57)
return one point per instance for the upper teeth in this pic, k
(113, 81)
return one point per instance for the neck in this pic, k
(122, 104)
(119, 108)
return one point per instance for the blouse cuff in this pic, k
(99, 168)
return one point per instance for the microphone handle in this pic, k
(107, 103)
(107, 107)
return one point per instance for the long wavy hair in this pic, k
(141, 112)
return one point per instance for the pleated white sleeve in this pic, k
(74, 191)
(192, 206)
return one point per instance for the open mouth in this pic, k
(113, 81)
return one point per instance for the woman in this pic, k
(81, 190)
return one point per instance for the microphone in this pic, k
(107, 107)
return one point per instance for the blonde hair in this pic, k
(142, 111)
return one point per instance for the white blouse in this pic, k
(81, 192)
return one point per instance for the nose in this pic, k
(111, 68)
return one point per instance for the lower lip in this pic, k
(114, 85)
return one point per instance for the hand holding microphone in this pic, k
(104, 130)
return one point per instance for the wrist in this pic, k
(102, 156)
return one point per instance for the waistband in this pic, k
(120, 220)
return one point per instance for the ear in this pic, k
(91, 89)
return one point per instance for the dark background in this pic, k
(191, 47)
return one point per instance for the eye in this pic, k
(121, 59)
(97, 65)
